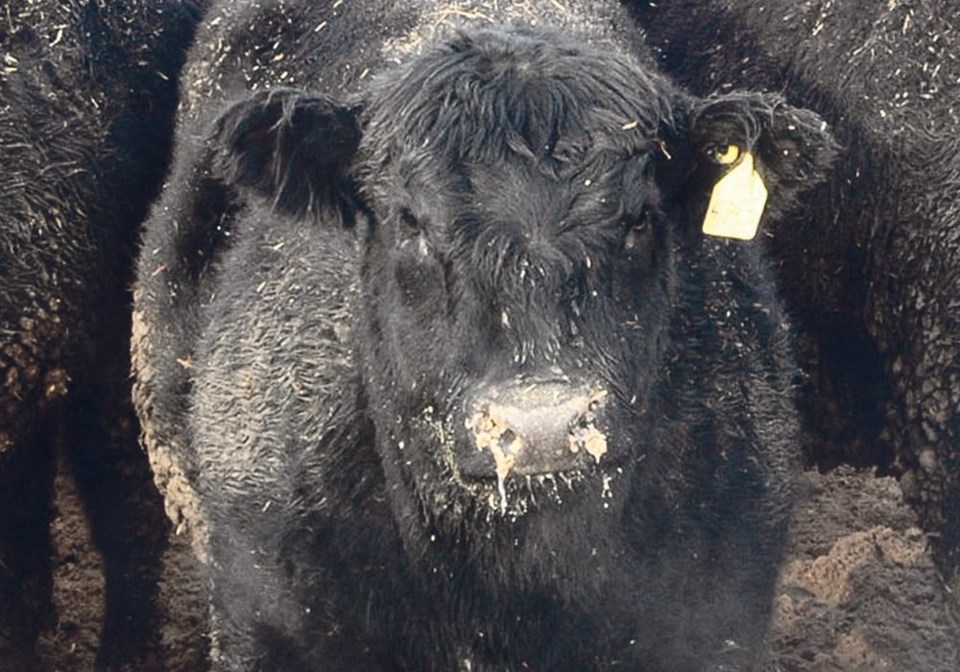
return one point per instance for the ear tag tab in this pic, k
(736, 203)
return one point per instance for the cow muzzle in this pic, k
(534, 427)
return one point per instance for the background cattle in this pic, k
(870, 269)
(87, 95)
(438, 365)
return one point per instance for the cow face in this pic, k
(524, 204)
(518, 272)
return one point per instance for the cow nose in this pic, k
(534, 427)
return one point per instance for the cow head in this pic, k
(524, 204)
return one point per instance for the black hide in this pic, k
(347, 280)
(869, 275)
(87, 100)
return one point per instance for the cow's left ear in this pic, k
(291, 147)
(751, 154)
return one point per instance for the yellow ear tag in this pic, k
(736, 203)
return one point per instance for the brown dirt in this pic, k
(70, 643)
(859, 591)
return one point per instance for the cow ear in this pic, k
(752, 154)
(291, 147)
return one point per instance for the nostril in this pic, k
(508, 437)
(587, 436)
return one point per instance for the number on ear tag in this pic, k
(736, 203)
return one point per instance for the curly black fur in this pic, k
(509, 203)
(870, 274)
(87, 100)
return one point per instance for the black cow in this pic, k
(445, 372)
(871, 275)
(87, 99)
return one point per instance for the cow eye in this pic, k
(409, 222)
(638, 234)
(724, 155)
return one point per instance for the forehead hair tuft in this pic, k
(498, 94)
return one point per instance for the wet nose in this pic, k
(534, 427)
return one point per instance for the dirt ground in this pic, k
(859, 592)
(70, 644)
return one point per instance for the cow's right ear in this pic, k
(291, 147)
